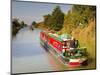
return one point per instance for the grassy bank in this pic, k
(86, 37)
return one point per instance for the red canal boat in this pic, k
(65, 50)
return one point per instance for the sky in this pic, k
(34, 11)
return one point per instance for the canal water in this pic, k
(27, 53)
(29, 56)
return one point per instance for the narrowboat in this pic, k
(65, 49)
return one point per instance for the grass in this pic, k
(87, 38)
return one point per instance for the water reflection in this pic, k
(27, 54)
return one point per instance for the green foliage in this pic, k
(79, 15)
(55, 20)
(22, 24)
(84, 12)
(33, 25)
(47, 19)
(80, 23)
(16, 26)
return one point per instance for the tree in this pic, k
(79, 15)
(22, 24)
(55, 20)
(15, 26)
(47, 20)
(34, 24)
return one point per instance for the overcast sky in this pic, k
(32, 11)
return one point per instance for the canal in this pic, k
(29, 56)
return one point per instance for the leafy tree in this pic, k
(55, 20)
(22, 24)
(47, 20)
(16, 26)
(79, 15)
(34, 24)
